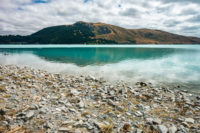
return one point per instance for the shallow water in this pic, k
(159, 64)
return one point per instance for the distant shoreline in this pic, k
(98, 33)
(97, 46)
(101, 44)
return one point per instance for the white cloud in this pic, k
(25, 17)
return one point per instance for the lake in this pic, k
(159, 64)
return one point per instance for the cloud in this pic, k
(181, 1)
(171, 23)
(195, 18)
(130, 12)
(28, 16)
(191, 28)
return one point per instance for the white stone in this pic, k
(162, 129)
(30, 114)
(189, 120)
(156, 121)
(81, 104)
(64, 129)
(172, 129)
(67, 122)
(138, 114)
(74, 92)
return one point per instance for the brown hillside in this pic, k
(139, 36)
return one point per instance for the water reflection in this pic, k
(96, 56)
(149, 64)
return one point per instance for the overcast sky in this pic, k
(25, 17)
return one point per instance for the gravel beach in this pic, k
(37, 101)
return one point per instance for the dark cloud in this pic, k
(191, 30)
(71, 11)
(130, 12)
(171, 23)
(181, 1)
(189, 12)
(165, 9)
(195, 19)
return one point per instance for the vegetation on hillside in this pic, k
(97, 33)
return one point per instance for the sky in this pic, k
(24, 17)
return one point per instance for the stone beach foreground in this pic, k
(37, 101)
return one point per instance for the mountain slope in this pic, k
(98, 33)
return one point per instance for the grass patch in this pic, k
(2, 89)
(107, 128)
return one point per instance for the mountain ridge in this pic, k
(98, 33)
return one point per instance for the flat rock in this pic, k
(149, 121)
(189, 120)
(111, 103)
(74, 92)
(140, 107)
(67, 122)
(162, 129)
(98, 124)
(81, 104)
(64, 129)
(172, 128)
(112, 93)
(30, 114)
(138, 130)
(138, 114)
(157, 121)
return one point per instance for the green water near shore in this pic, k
(166, 64)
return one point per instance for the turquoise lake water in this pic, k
(159, 64)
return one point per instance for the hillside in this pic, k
(98, 33)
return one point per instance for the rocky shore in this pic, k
(37, 101)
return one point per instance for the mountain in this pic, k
(98, 33)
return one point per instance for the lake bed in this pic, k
(175, 65)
